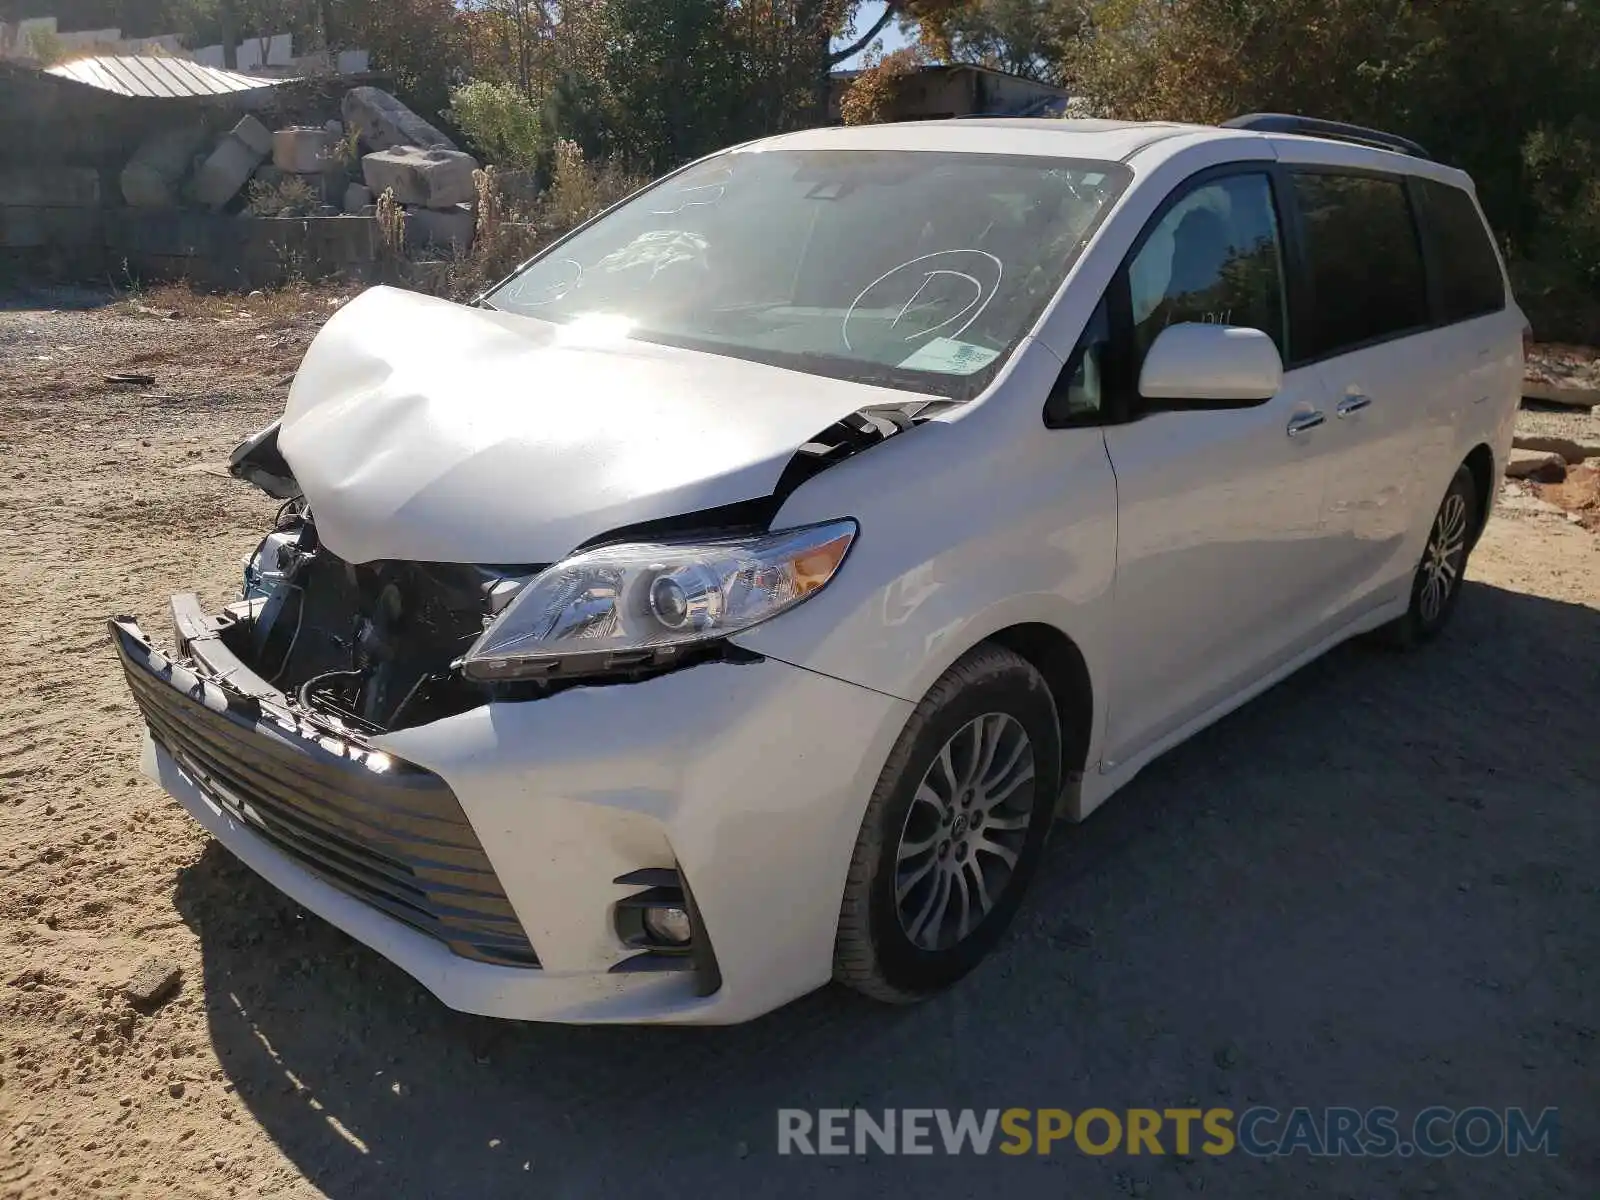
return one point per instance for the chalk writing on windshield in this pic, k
(525, 291)
(933, 293)
(701, 195)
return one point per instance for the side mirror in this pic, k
(1211, 366)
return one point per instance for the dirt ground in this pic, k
(1375, 886)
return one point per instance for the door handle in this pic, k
(1301, 422)
(1353, 404)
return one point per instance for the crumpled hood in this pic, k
(425, 430)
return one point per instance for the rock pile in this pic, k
(340, 167)
(430, 175)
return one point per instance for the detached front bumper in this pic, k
(482, 853)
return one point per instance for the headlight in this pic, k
(641, 603)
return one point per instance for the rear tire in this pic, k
(1436, 586)
(953, 832)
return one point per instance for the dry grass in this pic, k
(293, 302)
(510, 229)
(290, 196)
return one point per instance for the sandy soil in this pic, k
(1376, 886)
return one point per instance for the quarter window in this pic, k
(1470, 283)
(1079, 394)
(1364, 261)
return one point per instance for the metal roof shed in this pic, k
(157, 77)
(95, 111)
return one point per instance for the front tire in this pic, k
(954, 830)
(1436, 586)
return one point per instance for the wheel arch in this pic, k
(1480, 462)
(1057, 657)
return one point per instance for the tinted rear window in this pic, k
(1469, 271)
(1366, 265)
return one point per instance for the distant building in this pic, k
(959, 90)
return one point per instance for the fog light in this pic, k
(669, 926)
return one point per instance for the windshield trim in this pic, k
(923, 382)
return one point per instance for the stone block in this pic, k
(1570, 449)
(356, 197)
(254, 135)
(152, 981)
(440, 228)
(153, 175)
(427, 178)
(234, 160)
(300, 149)
(383, 121)
(27, 227)
(50, 187)
(1546, 466)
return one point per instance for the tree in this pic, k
(871, 95)
(790, 51)
(510, 37)
(1032, 38)
(677, 90)
(421, 43)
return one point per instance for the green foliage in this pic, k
(575, 111)
(1565, 194)
(675, 88)
(500, 122)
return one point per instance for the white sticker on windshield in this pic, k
(950, 357)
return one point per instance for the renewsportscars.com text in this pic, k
(1260, 1132)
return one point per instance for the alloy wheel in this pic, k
(1444, 558)
(964, 831)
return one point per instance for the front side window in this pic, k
(913, 269)
(1078, 397)
(1470, 283)
(1215, 258)
(1366, 271)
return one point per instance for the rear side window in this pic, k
(1365, 263)
(1470, 283)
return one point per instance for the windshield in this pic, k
(911, 269)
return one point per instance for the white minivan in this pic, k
(730, 599)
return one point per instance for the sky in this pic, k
(892, 38)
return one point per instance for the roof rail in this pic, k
(1336, 130)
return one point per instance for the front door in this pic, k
(1218, 510)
